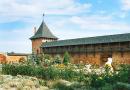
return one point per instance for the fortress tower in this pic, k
(42, 35)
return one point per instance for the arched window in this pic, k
(37, 51)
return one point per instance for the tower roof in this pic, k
(43, 32)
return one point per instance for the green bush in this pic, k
(66, 58)
(8, 69)
(57, 59)
(18, 69)
(122, 86)
(90, 80)
(97, 81)
(124, 73)
(35, 59)
(61, 86)
(52, 73)
(48, 73)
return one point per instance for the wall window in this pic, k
(37, 51)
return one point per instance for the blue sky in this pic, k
(66, 19)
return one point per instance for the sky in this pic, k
(66, 19)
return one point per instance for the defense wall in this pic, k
(83, 58)
(99, 58)
(87, 58)
(123, 58)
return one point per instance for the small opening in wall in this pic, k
(37, 51)
(110, 56)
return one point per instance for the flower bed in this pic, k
(89, 78)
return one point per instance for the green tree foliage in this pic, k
(47, 60)
(35, 59)
(97, 81)
(124, 73)
(122, 86)
(47, 73)
(46, 56)
(66, 58)
(57, 59)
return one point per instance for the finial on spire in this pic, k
(43, 16)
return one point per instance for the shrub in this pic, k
(22, 60)
(57, 59)
(18, 69)
(97, 81)
(46, 60)
(48, 73)
(35, 59)
(70, 73)
(109, 76)
(124, 73)
(52, 73)
(66, 58)
(46, 56)
(122, 86)
(62, 85)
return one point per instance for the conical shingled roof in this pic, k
(44, 32)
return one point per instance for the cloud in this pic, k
(87, 26)
(16, 40)
(32, 9)
(125, 5)
(15, 46)
(100, 23)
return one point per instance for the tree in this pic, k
(22, 60)
(35, 59)
(97, 81)
(66, 58)
(47, 60)
(57, 59)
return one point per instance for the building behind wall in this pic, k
(13, 57)
(94, 50)
(17, 57)
(3, 57)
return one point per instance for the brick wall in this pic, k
(99, 58)
(121, 58)
(11, 59)
(15, 59)
(84, 58)
(36, 45)
(87, 58)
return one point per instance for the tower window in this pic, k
(37, 51)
